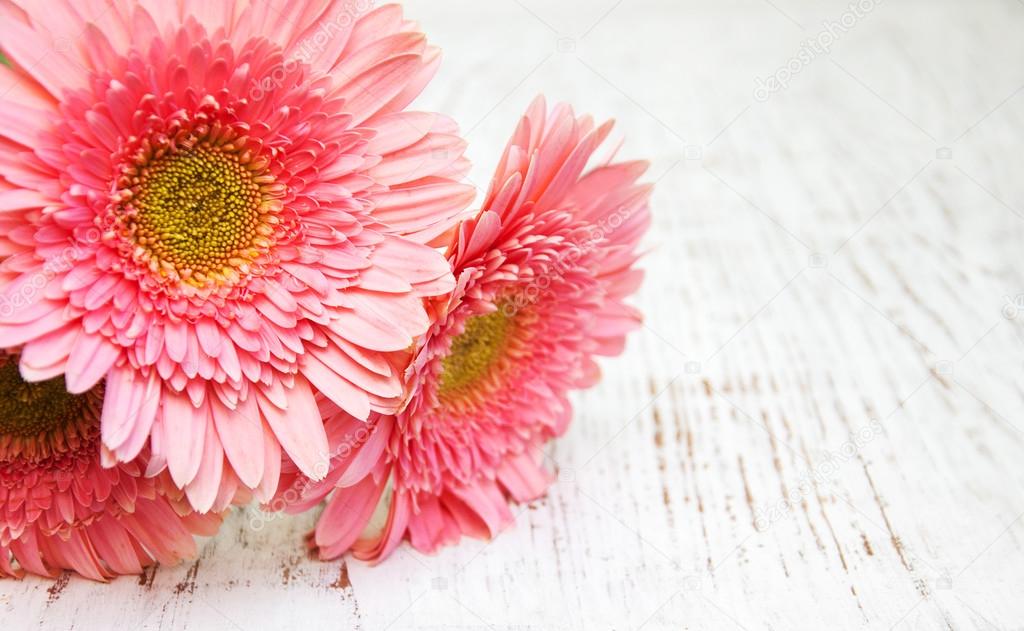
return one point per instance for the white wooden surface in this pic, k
(820, 426)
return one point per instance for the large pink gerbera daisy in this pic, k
(61, 509)
(216, 207)
(542, 274)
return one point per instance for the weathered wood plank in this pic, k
(820, 426)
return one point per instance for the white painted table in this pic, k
(820, 427)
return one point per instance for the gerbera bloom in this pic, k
(541, 274)
(216, 207)
(61, 509)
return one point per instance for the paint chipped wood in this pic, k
(820, 426)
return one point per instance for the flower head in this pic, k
(217, 207)
(60, 508)
(542, 273)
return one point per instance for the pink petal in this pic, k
(299, 429)
(241, 433)
(202, 490)
(22, 199)
(271, 466)
(114, 546)
(388, 386)
(370, 453)
(346, 515)
(159, 529)
(369, 92)
(184, 432)
(523, 477)
(370, 330)
(92, 356)
(332, 385)
(128, 401)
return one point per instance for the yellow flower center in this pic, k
(474, 353)
(39, 419)
(201, 214)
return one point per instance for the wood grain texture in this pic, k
(819, 427)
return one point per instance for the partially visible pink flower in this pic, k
(61, 509)
(542, 275)
(217, 206)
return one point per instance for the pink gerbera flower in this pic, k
(216, 207)
(61, 509)
(542, 274)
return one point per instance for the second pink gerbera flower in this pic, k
(218, 207)
(542, 274)
(60, 508)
